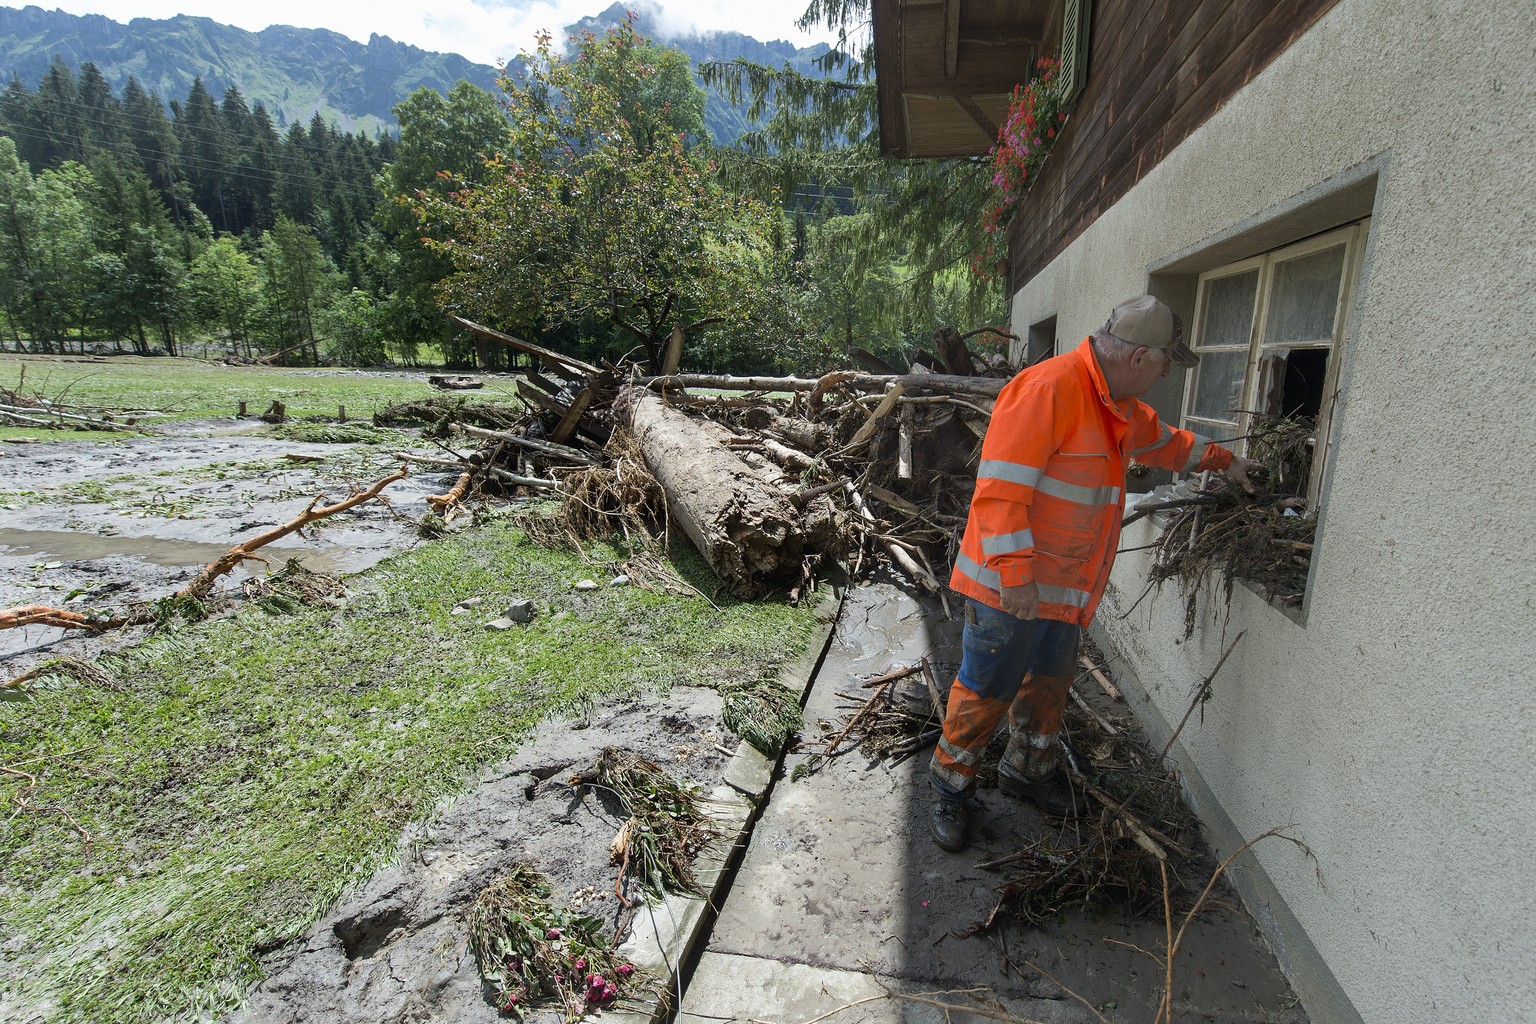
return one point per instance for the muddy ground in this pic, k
(98, 524)
(89, 524)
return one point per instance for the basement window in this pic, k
(1268, 331)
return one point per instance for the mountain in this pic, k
(297, 72)
(294, 72)
(725, 123)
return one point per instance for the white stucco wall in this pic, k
(1395, 728)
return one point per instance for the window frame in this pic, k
(1257, 376)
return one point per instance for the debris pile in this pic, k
(20, 409)
(766, 476)
(1216, 530)
(1115, 855)
(666, 829)
(534, 953)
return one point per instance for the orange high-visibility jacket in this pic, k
(1050, 491)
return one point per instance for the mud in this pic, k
(395, 950)
(99, 524)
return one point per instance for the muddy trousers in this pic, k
(1009, 666)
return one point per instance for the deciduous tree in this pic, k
(597, 209)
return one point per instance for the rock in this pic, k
(619, 581)
(499, 624)
(587, 585)
(521, 611)
(463, 607)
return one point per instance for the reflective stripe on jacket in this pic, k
(1050, 491)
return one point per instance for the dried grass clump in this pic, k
(765, 713)
(619, 499)
(294, 586)
(666, 830)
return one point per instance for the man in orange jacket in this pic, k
(1039, 543)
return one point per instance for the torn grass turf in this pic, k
(257, 765)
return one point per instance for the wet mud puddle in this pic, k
(84, 524)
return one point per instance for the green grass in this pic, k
(42, 434)
(190, 389)
(253, 767)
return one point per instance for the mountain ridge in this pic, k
(298, 72)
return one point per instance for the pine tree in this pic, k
(821, 135)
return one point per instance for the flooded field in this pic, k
(99, 523)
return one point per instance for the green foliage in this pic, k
(765, 713)
(595, 208)
(919, 221)
(443, 143)
(298, 280)
(337, 433)
(250, 771)
(224, 289)
(353, 326)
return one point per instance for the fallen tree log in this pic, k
(747, 531)
(555, 360)
(914, 383)
(547, 448)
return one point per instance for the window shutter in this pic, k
(1076, 19)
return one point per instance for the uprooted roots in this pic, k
(621, 499)
(666, 830)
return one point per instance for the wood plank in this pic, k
(572, 418)
(1193, 58)
(951, 37)
(550, 357)
(886, 16)
(533, 396)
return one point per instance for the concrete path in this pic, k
(841, 898)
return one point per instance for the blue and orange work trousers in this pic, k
(1021, 668)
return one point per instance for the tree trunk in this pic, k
(747, 531)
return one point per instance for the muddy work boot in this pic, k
(1054, 794)
(948, 818)
(1030, 770)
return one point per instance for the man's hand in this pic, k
(1238, 472)
(1022, 602)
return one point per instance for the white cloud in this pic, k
(485, 31)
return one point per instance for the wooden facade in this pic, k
(945, 70)
(1157, 70)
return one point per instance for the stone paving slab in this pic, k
(842, 877)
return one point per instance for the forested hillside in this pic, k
(585, 201)
(296, 73)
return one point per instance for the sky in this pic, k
(485, 31)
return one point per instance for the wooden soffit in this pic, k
(946, 68)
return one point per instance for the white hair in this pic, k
(1110, 347)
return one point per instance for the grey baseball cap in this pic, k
(1145, 321)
